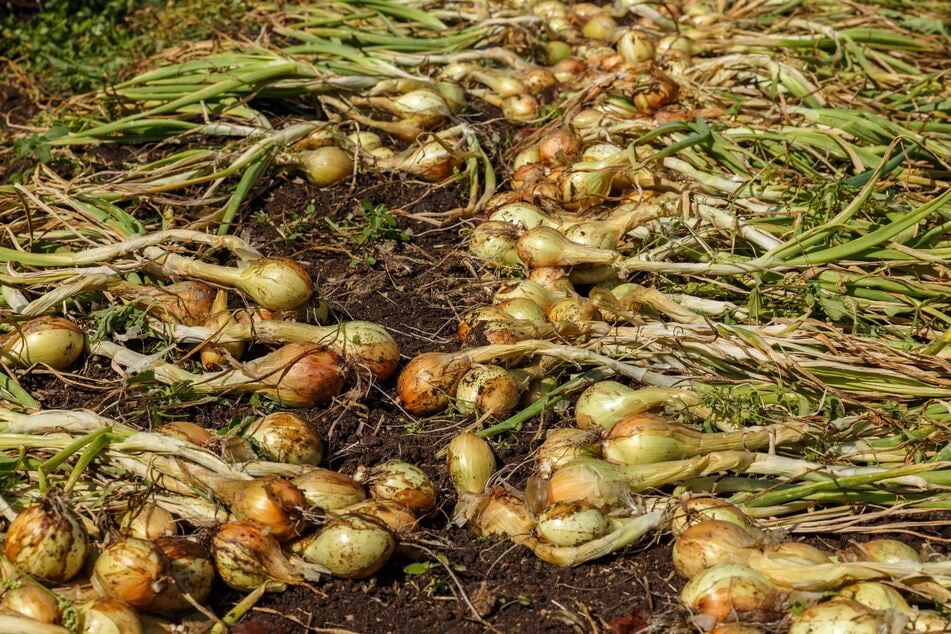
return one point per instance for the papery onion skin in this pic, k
(471, 462)
(33, 602)
(693, 510)
(149, 521)
(191, 572)
(351, 546)
(131, 570)
(402, 482)
(286, 437)
(487, 389)
(712, 542)
(276, 283)
(562, 446)
(877, 596)
(426, 383)
(329, 490)
(47, 541)
(885, 551)
(108, 616)
(299, 374)
(571, 524)
(189, 302)
(274, 504)
(837, 616)
(728, 591)
(52, 341)
(801, 551)
(247, 557)
(390, 513)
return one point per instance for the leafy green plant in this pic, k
(367, 225)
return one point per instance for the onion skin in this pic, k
(274, 504)
(712, 542)
(52, 341)
(351, 546)
(189, 432)
(329, 490)
(247, 557)
(192, 572)
(426, 383)
(693, 510)
(402, 482)
(884, 551)
(728, 591)
(134, 571)
(571, 524)
(390, 513)
(471, 463)
(276, 283)
(838, 616)
(47, 541)
(325, 166)
(150, 521)
(298, 374)
(108, 616)
(33, 602)
(487, 389)
(187, 302)
(286, 437)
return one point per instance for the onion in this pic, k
(186, 302)
(351, 546)
(246, 557)
(563, 446)
(571, 523)
(52, 341)
(34, 602)
(675, 46)
(192, 573)
(470, 323)
(635, 47)
(559, 147)
(131, 570)
(543, 297)
(493, 242)
(149, 521)
(693, 510)
(471, 463)
(554, 279)
(390, 513)
(606, 402)
(427, 381)
(877, 596)
(522, 108)
(838, 616)
(424, 105)
(274, 504)
(108, 616)
(324, 166)
(544, 246)
(528, 156)
(660, 92)
(328, 490)
(402, 482)
(595, 233)
(557, 51)
(503, 514)
(430, 162)
(585, 184)
(884, 551)
(523, 215)
(47, 541)
(286, 437)
(366, 140)
(712, 542)
(189, 432)
(572, 309)
(521, 308)
(487, 389)
(730, 590)
(800, 551)
(928, 621)
(298, 374)
(600, 27)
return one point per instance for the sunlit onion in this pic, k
(471, 463)
(47, 541)
(148, 521)
(52, 341)
(837, 616)
(298, 374)
(571, 523)
(33, 602)
(487, 389)
(351, 546)
(108, 616)
(286, 437)
(246, 557)
(402, 482)
(131, 570)
(191, 571)
(712, 542)
(730, 590)
(329, 490)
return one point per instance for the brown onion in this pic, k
(351, 546)
(298, 374)
(131, 570)
(427, 382)
(274, 504)
(712, 542)
(52, 341)
(33, 602)
(730, 590)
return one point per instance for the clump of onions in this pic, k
(247, 557)
(33, 602)
(390, 513)
(286, 437)
(52, 341)
(192, 574)
(493, 242)
(838, 615)
(559, 147)
(131, 570)
(402, 482)
(351, 546)
(187, 302)
(571, 523)
(426, 383)
(329, 490)
(730, 590)
(471, 463)
(108, 616)
(298, 374)
(694, 510)
(605, 403)
(562, 446)
(149, 521)
(487, 389)
(712, 542)
(47, 541)
(324, 166)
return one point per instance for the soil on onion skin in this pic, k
(416, 289)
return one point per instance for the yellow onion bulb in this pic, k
(286, 437)
(275, 283)
(563, 446)
(571, 523)
(329, 490)
(712, 542)
(189, 432)
(471, 462)
(246, 557)
(189, 302)
(52, 341)
(883, 551)
(33, 602)
(635, 47)
(691, 511)
(838, 616)
(877, 596)
(108, 616)
(365, 139)
(521, 214)
(557, 51)
(430, 162)
(928, 621)
(503, 514)
(520, 108)
(528, 156)
(600, 26)
(47, 541)
(474, 322)
(647, 438)
(148, 521)
(493, 242)
(131, 570)
(568, 69)
(559, 147)
(298, 374)
(272, 503)
(402, 482)
(390, 513)
(427, 382)
(528, 289)
(539, 80)
(324, 166)
(798, 551)
(351, 546)
(728, 591)
(572, 309)
(521, 308)
(192, 573)
(487, 389)
(369, 346)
